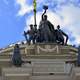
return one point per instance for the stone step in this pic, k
(15, 76)
(51, 77)
(39, 67)
(8, 56)
(4, 63)
(15, 73)
(16, 70)
(64, 57)
(45, 60)
(46, 68)
(7, 62)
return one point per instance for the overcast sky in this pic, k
(16, 15)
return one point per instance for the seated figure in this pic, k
(60, 36)
(16, 57)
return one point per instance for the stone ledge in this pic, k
(21, 74)
(51, 77)
(16, 77)
(15, 70)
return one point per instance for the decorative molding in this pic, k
(47, 49)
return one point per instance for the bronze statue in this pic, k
(46, 28)
(31, 34)
(60, 36)
(46, 32)
(16, 57)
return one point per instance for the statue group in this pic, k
(46, 33)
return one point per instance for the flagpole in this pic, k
(34, 4)
(35, 17)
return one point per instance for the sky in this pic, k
(16, 15)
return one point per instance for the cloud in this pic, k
(70, 14)
(24, 7)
